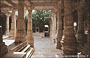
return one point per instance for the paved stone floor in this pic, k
(44, 47)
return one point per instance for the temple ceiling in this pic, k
(34, 4)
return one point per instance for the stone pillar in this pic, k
(81, 18)
(7, 24)
(86, 48)
(53, 25)
(21, 33)
(60, 31)
(13, 25)
(3, 47)
(30, 39)
(70, 42)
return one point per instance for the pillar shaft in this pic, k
(20, 34)
(81, 19)
(60, 31)
(86, 48)
(13, 25)
(70, 43)
(3, 47)
(7, 24)
(53, 25)
(30, 39)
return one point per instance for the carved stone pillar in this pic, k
(30, 39)
(53, 25)
(13, 25)
(81, 18)
(86, 48)
(21, 33)
(3, 47)
(7, 24)
(60, 31)
(70, 42)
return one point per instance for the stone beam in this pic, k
(10, 2)
(44, 4)
(44, 0)
(4, 5)
(5, 2)
(44, 7)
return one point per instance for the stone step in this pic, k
(20, 51)
(14, 55)
(19, 47)
(25, 53)
(29, 53)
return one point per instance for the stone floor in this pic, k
(44, 47)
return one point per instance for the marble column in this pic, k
(30, 39)
(7, 24)
(81, 18)
(13, 24)
(20, 33)
(70, 42)
(60, 31)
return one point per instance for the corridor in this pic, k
(44, 47)
(65, 22)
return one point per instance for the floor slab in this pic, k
(44, 47)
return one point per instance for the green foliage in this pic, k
(41, 15)
(39, 18)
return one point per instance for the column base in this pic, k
(31, 43)
(58, 46)
(18, 40)
(11, 34)
(86, 51)
(70, 46)
(20, 36)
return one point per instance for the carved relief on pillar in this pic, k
(70, 42)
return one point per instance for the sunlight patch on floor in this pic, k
(8, 42)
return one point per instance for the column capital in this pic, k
(7, 14)
(30, 10)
